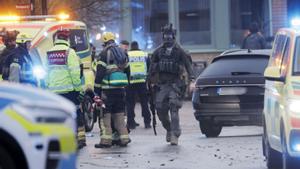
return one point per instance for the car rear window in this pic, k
(245, 65)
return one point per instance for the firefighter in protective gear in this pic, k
(21, 67)
(112, 76)
(9, 53)
(64, 76)
(166, 73)
(139, 63)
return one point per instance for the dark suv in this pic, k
(230, 91)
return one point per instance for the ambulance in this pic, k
(42, 29)
(281, 114)
(37, 129)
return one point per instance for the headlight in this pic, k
(42, 115)
(294, 106)
(39, 72)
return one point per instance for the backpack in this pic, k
(117, 56)
(116, 77)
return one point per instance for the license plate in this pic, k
(231, 90)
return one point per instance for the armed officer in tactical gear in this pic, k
(166, 72)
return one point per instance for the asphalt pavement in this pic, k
(236, 148)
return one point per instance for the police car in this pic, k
(37, 129)
(281, 115)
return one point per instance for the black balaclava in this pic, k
(168, 34)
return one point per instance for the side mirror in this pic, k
(273, 73)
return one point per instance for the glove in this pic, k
(98, 101)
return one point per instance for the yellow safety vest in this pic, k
(138, 66)
(63, 66)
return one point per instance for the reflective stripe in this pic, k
(138, 81)
(114, 81)
(110, 87)
(101, 63)
(112, 66)
(103, 133)
(62, 88)
(97, 85)
(124, 136)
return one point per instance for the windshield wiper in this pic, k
(245, 73)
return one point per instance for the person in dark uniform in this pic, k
(139, 63)
(254, 40)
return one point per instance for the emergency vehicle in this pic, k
(281, 115)
(42, 29)
(37, 129)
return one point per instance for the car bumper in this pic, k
(45, 145)
(231, 119)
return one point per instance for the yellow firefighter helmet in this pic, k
(107, 36)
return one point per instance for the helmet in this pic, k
(63, 34)
(107, 36)
(23, 37)
(168, 30)
(168, 33)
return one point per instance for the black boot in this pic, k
(102, 146)
(81, 145)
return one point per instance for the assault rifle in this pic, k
(151, 93)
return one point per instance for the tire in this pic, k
(88, 113)
(6, 161)
(210, 129)
(273, 157)
(288, 162)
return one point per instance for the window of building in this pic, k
(242, 13)
(147, 19)
(195, 22)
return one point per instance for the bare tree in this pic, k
(95, 12)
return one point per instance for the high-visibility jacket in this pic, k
(63, 68)
(108, 74)
(138, 66)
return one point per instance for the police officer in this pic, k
(21, 67)
(63, 76)
(166, 70)
(112, 76)
(139, 63)
(254, 40)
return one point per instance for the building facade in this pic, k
(204, 27)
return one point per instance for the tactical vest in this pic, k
(138, 66)
(168, 63)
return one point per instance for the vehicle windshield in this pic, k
(296, 61)
(78, 40)
(232, 66)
